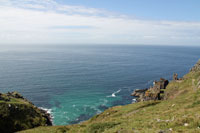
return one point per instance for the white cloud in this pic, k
(36, 21)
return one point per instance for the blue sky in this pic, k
(159, 22)
(182, 10)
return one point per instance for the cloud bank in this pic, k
(47, 22)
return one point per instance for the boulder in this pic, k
(138, 92)
(175, 76)
(15, 95)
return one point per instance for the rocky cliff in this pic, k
(17, 113)
(152, 93)
(178, 111)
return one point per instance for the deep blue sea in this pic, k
(77, 82)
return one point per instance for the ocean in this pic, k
(76, 82)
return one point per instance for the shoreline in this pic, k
(150, 101)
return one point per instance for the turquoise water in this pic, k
(77, 82)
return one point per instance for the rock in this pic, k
(47, 116)
(138, 92)
(153, 93)
(186, 124)
(162, 84)
(158, 120)
(175, 76)
(15, 95)
(4, 97)
(196, 67)
(173, 105)
(163, 131)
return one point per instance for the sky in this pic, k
(154, 22)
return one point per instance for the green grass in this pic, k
(18, 114)
(179, 112)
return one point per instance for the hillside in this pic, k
(178, 112)
(17, 113)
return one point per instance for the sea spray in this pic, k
(114, 94)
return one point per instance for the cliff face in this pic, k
(17, 113)
(152, 93)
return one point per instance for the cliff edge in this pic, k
(17, 113)
(177, 110)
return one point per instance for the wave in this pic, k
(134, 100)
(114, 94)
(49, 111)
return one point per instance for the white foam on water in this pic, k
(47, 110)
(134, 100)
(114, 94)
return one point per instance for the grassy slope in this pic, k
(180, 112)
(18, 114)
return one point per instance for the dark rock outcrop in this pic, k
(175, 77)
(153, 93)
(139, 92)
(15, 95)
(47, 116)
(161, 84)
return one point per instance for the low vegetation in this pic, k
(16, 114)
(179, 112)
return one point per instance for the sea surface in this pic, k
(77, 82)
